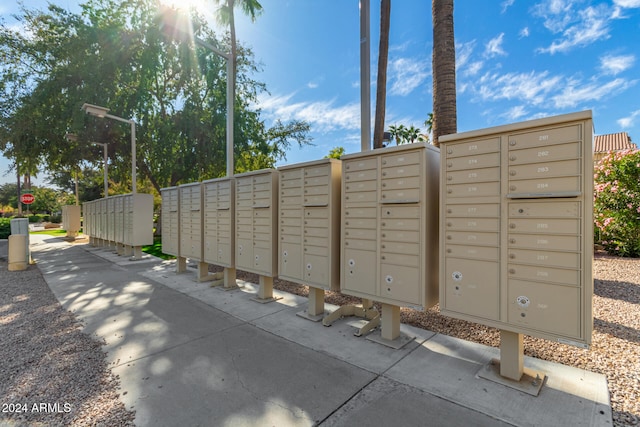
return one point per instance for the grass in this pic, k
(52, 232)
(156, 249)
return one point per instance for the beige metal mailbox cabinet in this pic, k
(138, 222)
(191, 221)
(390, 225)
(170, 221)
(219, 221)
(256, 222)
(516, 227)
(71, 219)
(309, 223)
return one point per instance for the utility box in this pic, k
(219, 222)
(517, 227)
(309, 206)
(191, 221)
(170, 221)
(256, 200)
(390, 225)
(138, 219)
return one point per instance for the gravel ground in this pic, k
(51, 373)
(46, 358)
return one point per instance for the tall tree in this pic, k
(381, 85)
(444, 70)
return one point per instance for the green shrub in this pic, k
(33, 219)
(5, 228)
(617, 203)
(56, 219)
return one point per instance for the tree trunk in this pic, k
(381, 85)
(444, 70)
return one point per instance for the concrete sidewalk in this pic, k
(188, 354)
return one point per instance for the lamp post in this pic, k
(176, 26)
(74, 137)
(102, 112)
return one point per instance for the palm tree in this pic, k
(381, 85)
(444, 70)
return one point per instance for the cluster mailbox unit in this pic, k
(309, 211)
(125, 221)
(390, 229)
(516, 228)
(256, 248)
(219, 226)
(170, 220)
(71, 220)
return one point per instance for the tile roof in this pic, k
(612, 142)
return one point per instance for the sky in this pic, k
(516, 60)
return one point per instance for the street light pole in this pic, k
(173, 25)
(102, 112)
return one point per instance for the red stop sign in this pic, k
(27, 198)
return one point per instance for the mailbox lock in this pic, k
(512, 256)
(512, 143)
(384, 162)
(449, 211)
(449, 178)
(449, 151)
(449, 191)
(449, 224)
(449, 237)
(383, 257)
(512, 271)
(513, 188)
(512, 225)
(512, 158)
(520, 210)
(449, 164)
(512, 173)
(512, 241)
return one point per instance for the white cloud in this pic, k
(515, 113)
(464, 51)
(615, 64)
(627, 3)
(312, 85)
(532, 87)
(627, 122)
(506, 4)
(524, 32)
(576, 92)
(494, 47)
(406, 74)
(323, 116)
(592, 25)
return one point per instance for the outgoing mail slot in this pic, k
(400, 212)
(544, 209)
(546, 258)
(472, 287)
(544, 307)
(473, 175)
(549, 153)
(400, 259)
(544, 242)
(476, 210)
(479, 189)
(410, 158)
(401, 284)
(473, 162)
(545, 137)
(544, 274)
(473, 252)
(546, 185)
(545, 226)
(473, 148)
(465, 238)
(545, 170)
(473, 224)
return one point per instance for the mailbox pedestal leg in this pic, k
(181, 265)
(509, 370)
(229, 277)
(265, 290)
(390, 329)
(511, 355)
(137, 253)
(365, 311)
(203, 273)
(315, 311)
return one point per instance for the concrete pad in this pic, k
(447, 367)
(386, 402)
(338, 340)
(239, 377)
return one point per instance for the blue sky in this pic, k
(516, 60)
